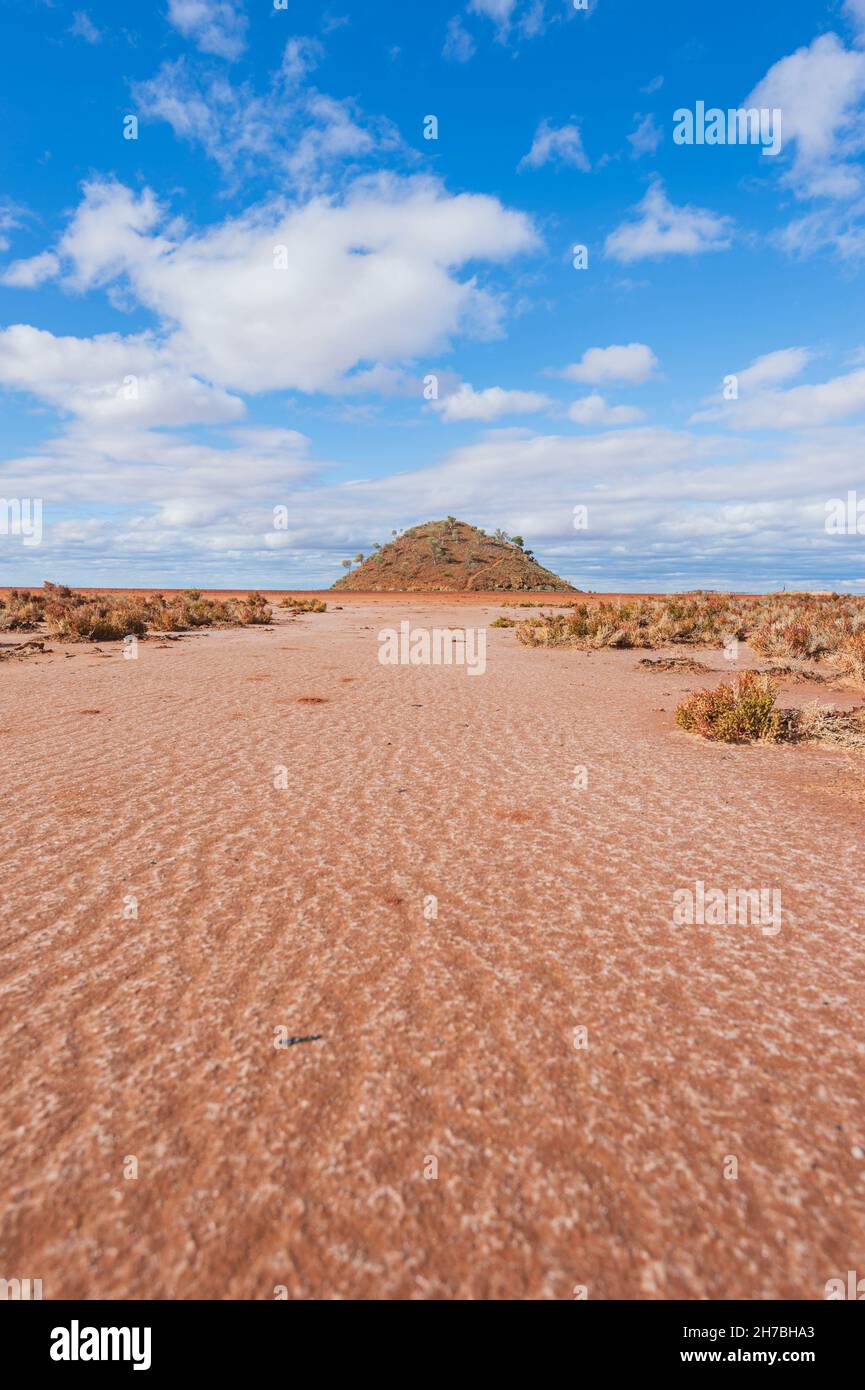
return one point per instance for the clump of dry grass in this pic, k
(20, 612)
(846, 728)
(799, 638)
(304, 605)
(680, 664)
(851, 655)
(740, 711)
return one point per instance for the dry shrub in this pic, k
(304, 605)
(252, 610)
(72, 617)
(604, 625)
(737, 712)
(21, 611)
(540, 603)
(796, 639)
(642, 623)
(851, 655)
(96, 621)
(798, 625)
(681, 664)
(190, 610)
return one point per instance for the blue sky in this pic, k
(241, 308)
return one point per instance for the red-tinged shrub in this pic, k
(737, 712)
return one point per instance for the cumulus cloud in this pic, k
(663, 229)
(819, 90)
(764, 373)
(631, 363)
(594, 410)
(761, 406)
(337, 295)
(551, 145)
(32, 271)
(172, 497)
(855, 11)
(467, 404)
(667, 508)
(773, 367)
(297, 298)
(215, 26)
(109, 377)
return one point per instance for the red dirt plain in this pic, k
(151, 1036)
(337, 597)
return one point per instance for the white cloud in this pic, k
(799, 408)
(210, 498)
(110, 230)
(751, 382)
(563, 145)
(499, 11)
(110, 378)
(819, 91)
(646, 138)
(855, 10)
(490, 404)
(82, 27)
(632, 363)
(215, 26)
(594, 410)
(662, 229)
(301, 133)
(10, 218)
(773, 367)
(667, 508)
(33, 271)
(534, 22)
(300, 56)
(459, 45)
(293, 298)
(525, 19)
(837, 229)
